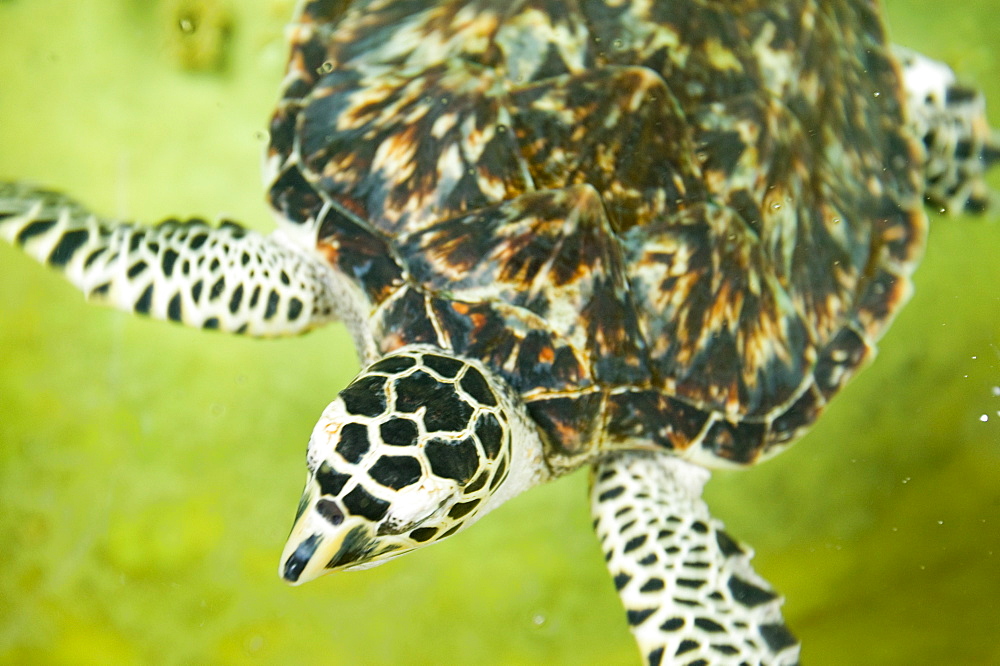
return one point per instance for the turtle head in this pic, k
(416, 448)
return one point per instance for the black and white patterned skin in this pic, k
(412, 451)
(690, 592)
(651, 237)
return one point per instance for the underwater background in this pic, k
(149, 473)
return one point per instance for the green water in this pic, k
(148, 474)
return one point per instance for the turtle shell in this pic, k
(679, 225)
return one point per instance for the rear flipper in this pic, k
(951, 120)
(225, 277)
(689, 591)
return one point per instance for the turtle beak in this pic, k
(324, 539)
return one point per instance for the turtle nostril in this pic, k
(329, 510)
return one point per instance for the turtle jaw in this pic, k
(324, 540)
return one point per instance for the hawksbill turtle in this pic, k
(647, 238)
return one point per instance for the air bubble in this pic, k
(325, 68)
(984, 418)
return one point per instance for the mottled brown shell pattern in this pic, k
(667, 224)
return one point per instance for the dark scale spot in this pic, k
(396, 471)
(478, 483)
(393, 364)
(693, 583)
(330, 482)
(698, 662)
(236, 299)
(687, 645)
(353, 442)
(444, 366)
(611, 494)
(196, 290)
(462, 509)
(963, 149)
(67, 246)
(500, 475)
(174, 308)
(749, 594)
(294, 308)
(398, 432)
(724, 649)
(197, 240)
(145, 301)
(214, 265)
(673, 624)
(365, 396)
(101, 289)
(34, 229)
(445, 410)
(710, 626)
(453, 459)
(272, 304)
(329, 510)
(490, 434)
(355, 546)
(212, 324)
(217, 289)
(777, 636)
(136, 268)
(135, 240)
(451, 530)
(727, 544)
(699, 527)
(637, 542)
(652, 585)
(422, 534)
(255, 296)
(93, 256)
(476, 386)
(285, 280)
(621, 580)
(656, 657)
(664, 534)
(636, 617)
(167, 261)
(359, 502)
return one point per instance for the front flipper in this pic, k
(225, 277)
(950, 120)
(689, 591)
